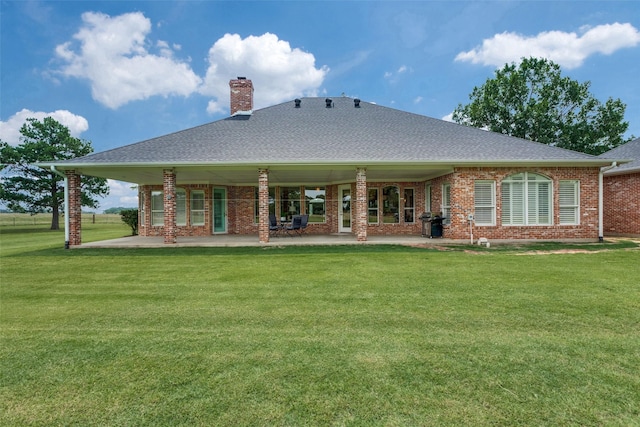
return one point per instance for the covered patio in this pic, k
(336, 239)
(228, 240)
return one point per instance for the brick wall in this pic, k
(147, 230)
(622, 204)
(462, 202)
(402, 227)
(241, 207)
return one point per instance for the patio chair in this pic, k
(295, 225)
(304, 223)
(274, 227)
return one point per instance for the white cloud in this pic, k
(448, 118)
(568, 50)
(277, 71)
(393, 77)
(10, 130)
(111, 53)
(121, 194)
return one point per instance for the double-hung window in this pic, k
(196, 205)
(409, 205)
(484, 195)
(142, 209)
(427, 198)
(181, 206)
(372, 197)
(569, 202)
(446, 202)
(157, 208)
(315, 203)
(526, 200)
(390, 205)
(289, 201)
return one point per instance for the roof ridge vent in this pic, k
(328, 102)
(356, 103)
(298, 102)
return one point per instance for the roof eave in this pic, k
(323, 163)
(623, 171)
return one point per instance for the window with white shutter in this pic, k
(484, 203)
(526, 200)
(446, 202)
(569, 202)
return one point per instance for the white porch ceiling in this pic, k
(278, 175)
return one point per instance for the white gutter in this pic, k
(66, 205)
(600, 199)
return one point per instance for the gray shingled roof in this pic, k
(629, 151)
(313, 143)
(314, 133)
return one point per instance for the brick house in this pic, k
(354, 167)
(621, 191)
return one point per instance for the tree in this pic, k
(534, 101)
(130, 217)
(115, 210)
(29, 188)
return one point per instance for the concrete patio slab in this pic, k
(225, 240)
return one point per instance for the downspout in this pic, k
(600, 200)
(66, 205)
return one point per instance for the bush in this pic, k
(130, 217)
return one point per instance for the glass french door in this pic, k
(219, 210)
(344, 210)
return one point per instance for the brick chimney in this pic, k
(241, 96)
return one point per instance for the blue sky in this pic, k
(118, 72)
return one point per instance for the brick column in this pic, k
(144, 220)
(361, 219)
(75, 208)
(169, 187)
(263, 205)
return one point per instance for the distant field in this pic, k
(15, 219)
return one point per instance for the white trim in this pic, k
(575, 188)
(412, 208)
(427, 197)
(445, 209)
(183, 191)
(492, 205)
(341, 227)
(600, 198)
(526, 198)
(225, 210)
(161, 194)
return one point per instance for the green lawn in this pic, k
(295, 336)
